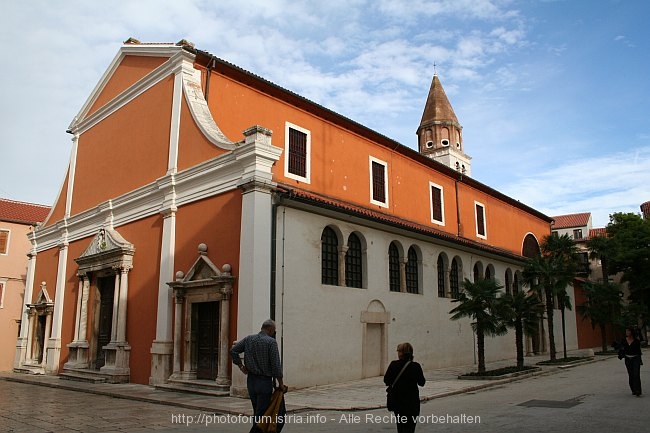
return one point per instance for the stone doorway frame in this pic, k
(44, 306)
(108, 254)
(204, 282)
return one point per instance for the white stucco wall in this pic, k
(320, 329)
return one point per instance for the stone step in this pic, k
(196, 387)
(79, 376)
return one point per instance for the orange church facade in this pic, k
(201, 199)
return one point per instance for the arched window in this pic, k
(476, 272)
(508, 278)
(393, 268)
(353, 265)
(515, 284)
(530, 247)
(329, 257)
(412, 271)
(454, 280)
(488, 273)
(441, 277)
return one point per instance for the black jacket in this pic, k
(406, 388)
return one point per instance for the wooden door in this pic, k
(207, 340)
(106, 287)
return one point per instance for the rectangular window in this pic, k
(378, 182)
(437, 204)
(577, 234)
(479, 209)
(297, 153)
(4, 241)
(2, 294)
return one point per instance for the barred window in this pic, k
(476, 272)
(453, 279)
(515, 285)
(329, 257)
(393, 268)
(441, 277)
(412, 271)
(353, 265)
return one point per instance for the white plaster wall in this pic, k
(319, 326)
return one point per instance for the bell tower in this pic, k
(440, 135)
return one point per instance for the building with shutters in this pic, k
(17, 222)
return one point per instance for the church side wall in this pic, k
(321, 325)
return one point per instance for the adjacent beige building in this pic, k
(17, 220)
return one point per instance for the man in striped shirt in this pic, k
(262, 366)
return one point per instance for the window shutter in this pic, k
(378, 183)
(4, 238)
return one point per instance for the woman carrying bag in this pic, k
(403, 377)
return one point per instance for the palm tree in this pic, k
(564, 303)
(603, 306)
(549, 274)
(522, 312)
(600, 247)
(478, 301)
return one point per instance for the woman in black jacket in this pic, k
(630, 349)
(407, 394)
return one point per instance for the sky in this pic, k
(553, 95)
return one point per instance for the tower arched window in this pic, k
(508, 278)
(412, 271)
(353, 262)
(454, 285)
(329, 257)
(393, 268)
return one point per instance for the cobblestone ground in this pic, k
(38, 409)
(590, 398)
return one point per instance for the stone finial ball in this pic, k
(180, 275)
(203, 248)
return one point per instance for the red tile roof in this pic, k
(571, 220)
(22, 213)
(598, 232)
(370, 214)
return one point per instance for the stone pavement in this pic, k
(361, 394)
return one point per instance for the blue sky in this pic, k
(553, 95)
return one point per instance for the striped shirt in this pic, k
(261, 355)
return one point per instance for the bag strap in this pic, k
(400, 373)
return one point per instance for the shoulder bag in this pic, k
(391, 399)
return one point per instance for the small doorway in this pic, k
(372, 353)
(106, 286)
(40, 338)
(207, 339)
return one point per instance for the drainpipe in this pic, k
(457, 204)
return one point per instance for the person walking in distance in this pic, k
(630, 350)
(403, 377)
(261, 365)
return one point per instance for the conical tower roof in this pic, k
(437, 108)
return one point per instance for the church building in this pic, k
(201, 199)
